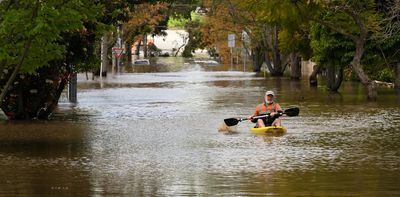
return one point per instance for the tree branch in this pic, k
(21, 60)
(359, 22)
(392, 20)
(326, 24)
(336, 29)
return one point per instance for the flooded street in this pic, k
(153, 131)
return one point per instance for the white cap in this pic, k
(269, 92)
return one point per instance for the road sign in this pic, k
(231, 40)
(117, 51)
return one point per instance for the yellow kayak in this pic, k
(271, 129)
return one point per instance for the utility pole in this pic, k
(245, 40)
(103, 52)
(231, 44)
(119, 43)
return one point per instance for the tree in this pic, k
(388, 41)
(153, 17)
(43, 43)
(278, 37)
(218, 23)
(145, 19)
(195, 36)
(294, 40)
(280, 32)
(331, 51)
(188, 15)
(36, 54)
(358, 21)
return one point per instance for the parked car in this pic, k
(141, 62)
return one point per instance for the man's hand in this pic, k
(252, 119)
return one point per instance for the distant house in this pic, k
(174, 41)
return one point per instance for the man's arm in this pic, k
(278, 108)
(256, 113)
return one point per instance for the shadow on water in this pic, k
(152, 131)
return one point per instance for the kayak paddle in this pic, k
(289, 112)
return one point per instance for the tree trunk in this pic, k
(104, 57)
(16, 70)
(45, 112)
(145, 55)
(187, 51)
(295, 66)
(334, 77)
(267, 41)
(27, 46)
(313, 77)
(357, 68)
(137, 51)
(277, 68)
(257, 59)
(35, 96)
(271, 45)
(397, 77)
(128, 50)
(276, 54)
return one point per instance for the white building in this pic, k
(175, 40)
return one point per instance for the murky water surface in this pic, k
(153, 132)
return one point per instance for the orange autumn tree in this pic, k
(144, 19)
(218, 23)
(231, 16)
(272, 29)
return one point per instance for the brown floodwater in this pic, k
(153, 131)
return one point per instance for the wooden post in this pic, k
(113, 64)
(231, 59)
(237, 59)
(73, 89)
(397, 76)
(244, 60)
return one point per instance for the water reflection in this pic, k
(40, 158)
(153, 132)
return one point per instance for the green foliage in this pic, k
(385, 74)
(381, 50)
(60, 38)
(295, 41)
(293, 29)
(196, 40)
(196, 17)
(44, 23)
(90, 64)
(177, 22)
(330, 48)
(180, 22)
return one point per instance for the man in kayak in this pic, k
(268, 106)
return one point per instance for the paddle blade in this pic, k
(231, 121)
(292, 111)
